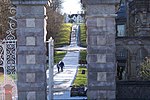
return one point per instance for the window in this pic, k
(120, 30)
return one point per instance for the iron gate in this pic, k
(8, 88)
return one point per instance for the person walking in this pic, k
(61, 64)
(58, 67)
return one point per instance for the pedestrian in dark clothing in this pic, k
(61, 64)
(58, 67)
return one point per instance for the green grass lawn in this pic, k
(63, 37)
(58, 55)
(83, 35)
(81, 79)
(82, 58)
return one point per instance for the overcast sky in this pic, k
(71, 6)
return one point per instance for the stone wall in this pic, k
(100, 22)
(31, 58)
(133, 90)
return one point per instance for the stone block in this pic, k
(102, 85)
(22, 95)
(110, 22)
(30, 22)
(41, 59)
(101, 76)
(111, 76)
(26, 11)
(101, 40)
(41, 76)
(111, 49)
(37, 50)
(31, 95)
(92, 40)
(21, 23)
(101, 58)
(21, 76)
(94, 31)
(97, 49)
(91, 58)
(111, 95)
(102, 94)
(100, 10)
(30, 68)
(92, 76)
(110, 38)
(97, 67)
(30, 77)
(92, 95)
(110, 58)
(26, 32)
(21, 59)
(30, 41)
(30, 59)
(32, 86)
(41, 95)
(101, 22)
(91, 22)
(100, 2)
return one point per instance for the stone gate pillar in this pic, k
(31, 58)
(100, 22)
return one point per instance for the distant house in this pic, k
(74, 18)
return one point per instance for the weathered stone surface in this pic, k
(101, 76)
(98, 2)
(101, 22)
(31, 63)
(101, 40)
(111, 95)
(96, 31)
(110, 58)
(101, 49)
(97, 49)
(31, 68)
(32, 86)
(31, 50)
(23, 95)
(30, 40)
(30, 77)
(109, 67)
(30, 59)
(92, 94)
(101, 58)
(31, 96)
(30, 22)
(41, 96)
(100, 10)
(27, 2)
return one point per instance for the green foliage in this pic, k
(145, 70)
(1, 78)
(58, 55)
(83, 54)
(83, 35)
(63, 37)
(81, 79)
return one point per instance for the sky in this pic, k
(71, 6)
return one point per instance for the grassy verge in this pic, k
(82, 59)
(81, 79)
(63, 37)
(83, 35)
(58, 55)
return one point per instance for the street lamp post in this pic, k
(51, 64)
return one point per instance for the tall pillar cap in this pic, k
(97, 2)
(31, 2)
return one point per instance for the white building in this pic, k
(74, 18)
